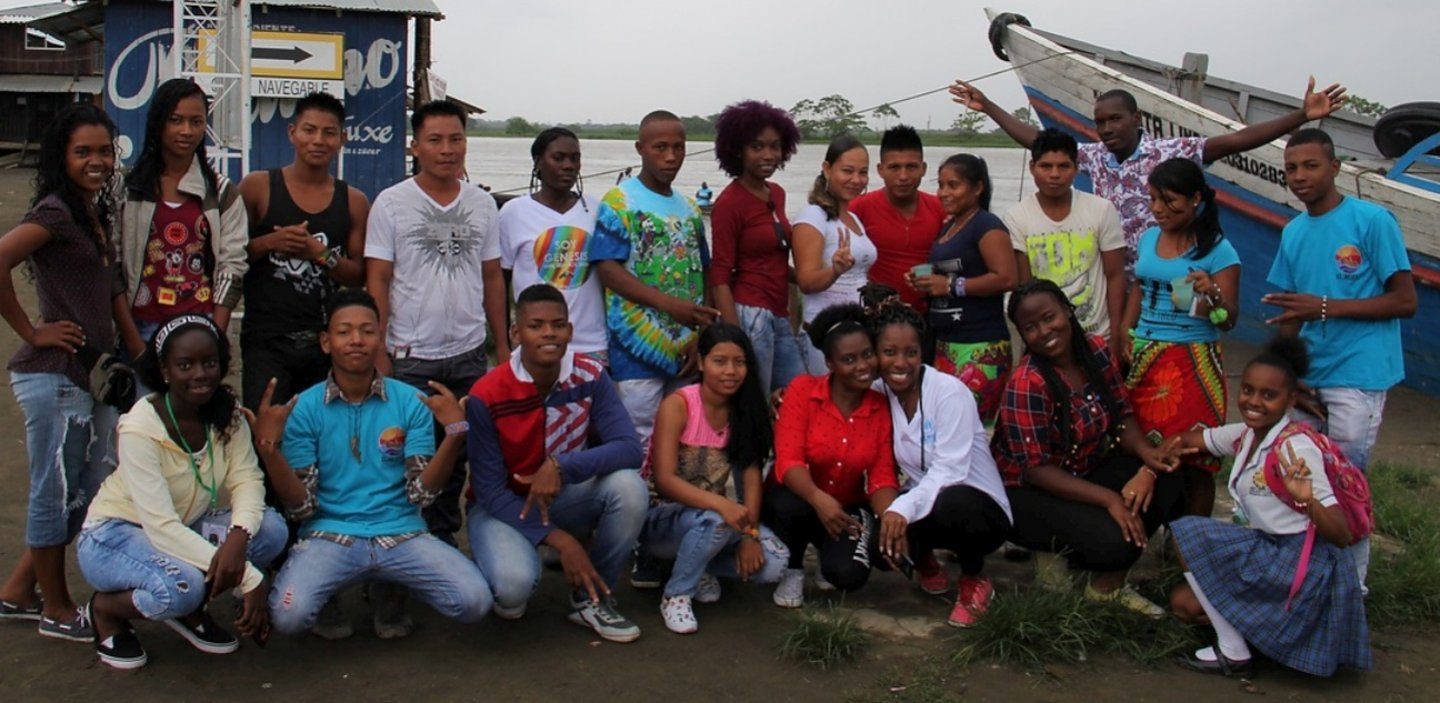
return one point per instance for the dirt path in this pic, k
(543, 657)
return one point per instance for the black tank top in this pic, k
(285, 295)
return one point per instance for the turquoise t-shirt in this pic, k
(1347, 253)
(661, 240)
(362, 497)
(1160, 318)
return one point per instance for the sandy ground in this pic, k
(543, 657)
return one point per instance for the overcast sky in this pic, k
(549, 60)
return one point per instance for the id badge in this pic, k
(215, 527)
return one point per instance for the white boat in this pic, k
(1062, 77)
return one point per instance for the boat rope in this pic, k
(916, 96)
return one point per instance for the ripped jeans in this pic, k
(70, 440)
(116, 556)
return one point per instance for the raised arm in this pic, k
(1317, 106)
(971, 97)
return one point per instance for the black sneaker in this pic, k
(206, 635)
(76, 628)
(20, 611)
(121, 650)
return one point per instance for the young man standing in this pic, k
(307, 236)
(555, 458)
(353, 459)
(901, 219)
(1120, 163)
(1346, 275)
(651, 256)
(1071, 238)
(432, 261)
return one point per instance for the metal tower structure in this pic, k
(212, 47)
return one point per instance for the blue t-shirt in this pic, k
(660, 239)
(1348, 253)
(1160, 319)
(362, 497)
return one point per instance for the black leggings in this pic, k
(844, 562)
(965, 521)
(1085, 534)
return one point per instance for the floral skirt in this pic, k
(1177, 388)
(983, 367)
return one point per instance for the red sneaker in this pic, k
(931, 574)
(972, 600)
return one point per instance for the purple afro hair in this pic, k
(740, 123)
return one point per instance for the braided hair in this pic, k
(884, 307)
(543, 140)
(220, 413)
(1090, 361)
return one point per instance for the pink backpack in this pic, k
(1352, 492)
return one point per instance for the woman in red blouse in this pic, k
(1071, 493)
(833, 461)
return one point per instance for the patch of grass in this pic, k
(1033, 627)
(824, 636)
(1405, 584)
(930, 681)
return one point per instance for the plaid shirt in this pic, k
(1026, 435)
(415, 490)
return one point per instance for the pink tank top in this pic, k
(702, 461)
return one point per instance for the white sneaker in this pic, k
(791, 591)
(604, 619)
(709, 589)
(679, 615)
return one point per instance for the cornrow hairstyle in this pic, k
(751, 435)
(835, 322)
(1184, 177)
(220, 413)
(51, 178)
(1289, 354)
(820, 192)
(884, 307)
(144, 179)
(1090, 361)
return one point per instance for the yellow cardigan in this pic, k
(154, 487)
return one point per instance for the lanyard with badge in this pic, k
(214, 526)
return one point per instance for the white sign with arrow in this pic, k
(290, 64)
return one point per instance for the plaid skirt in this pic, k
(1246, 575)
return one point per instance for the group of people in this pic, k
(651, 400)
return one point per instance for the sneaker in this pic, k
(604, 619)
(709, 589)
(121, 650)
(1052, 573)
(206, 636)
(387, 602)
(679, 615)
(790, 593)
(332, 624)
(972, 600)
(505, 613)
(20, 611)
(931, 574)
(646, 573)
(76, 628)
(1128, 597)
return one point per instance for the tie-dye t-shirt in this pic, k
(660, 239)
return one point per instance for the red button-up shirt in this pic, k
(849, 458)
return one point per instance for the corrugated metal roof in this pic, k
(23, 15)
(33, 83)
(424, 8)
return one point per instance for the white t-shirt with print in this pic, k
(437, 294)
(846, 288)
(540, 245)
(1247, 486)
(1067, 253)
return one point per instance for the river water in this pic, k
(504, 164)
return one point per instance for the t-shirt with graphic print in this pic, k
(437, 294)
(660, 239)
(176, 277)
(540, 245)
(285, 294)
(1067, 253)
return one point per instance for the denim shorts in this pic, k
(70, 441)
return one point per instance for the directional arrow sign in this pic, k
(289, 55)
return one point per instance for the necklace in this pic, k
(211, 489)
(953, 229)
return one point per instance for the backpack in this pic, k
(1351, 489)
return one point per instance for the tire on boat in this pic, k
(997, 29)
(1402, 126)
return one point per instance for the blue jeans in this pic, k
(700, 541)
(70, 442)
(115, 555)
(611, 507)
(775, 346)
(436, 573)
